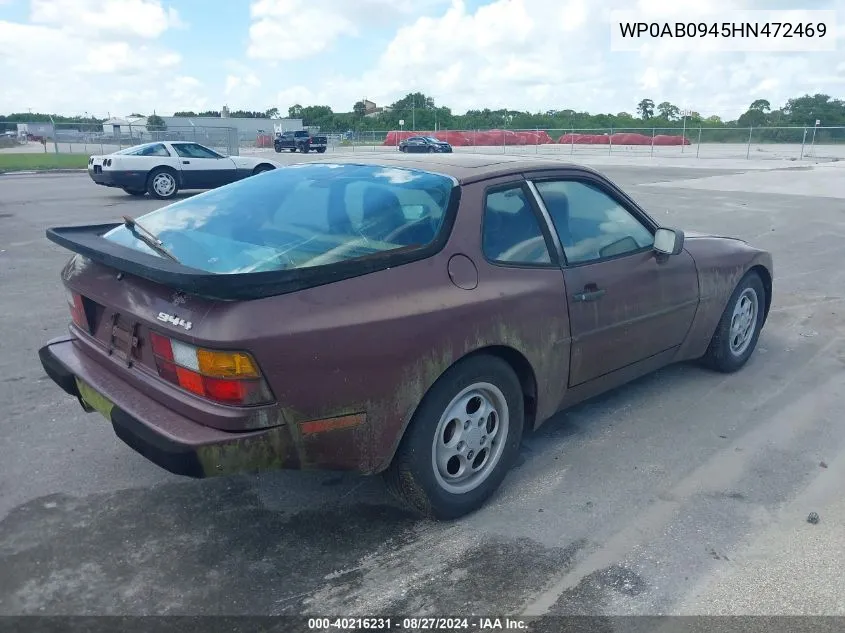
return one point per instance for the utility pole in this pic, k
(414, 113)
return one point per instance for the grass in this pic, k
(41, 161)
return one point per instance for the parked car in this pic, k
(411, 317)
(425, 144)
(301, 140)
(163, 168)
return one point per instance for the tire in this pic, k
(321, 150)
(260, 169)
(277, 148)
(136, 192)
(156, 180)
(729, 351)
(436, 441)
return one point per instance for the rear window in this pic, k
(300, 216)
(151, 149)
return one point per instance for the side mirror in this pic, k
(669, 241)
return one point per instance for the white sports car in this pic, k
(163, 168)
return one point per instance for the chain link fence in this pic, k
(96, 138)
(775, 143)
(690, 142)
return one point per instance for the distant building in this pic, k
(44, 130)
(123, 127)
(246, 128)
(372, 110)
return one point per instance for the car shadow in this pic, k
(286, 542)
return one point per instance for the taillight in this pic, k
(222, 376)
(77, 310)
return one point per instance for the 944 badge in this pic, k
(174, 320)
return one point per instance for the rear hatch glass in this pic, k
(300, 216)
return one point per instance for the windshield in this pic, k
(300, 216)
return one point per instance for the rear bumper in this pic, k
(122, 179)
(167, 439)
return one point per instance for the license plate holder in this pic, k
(94, 399)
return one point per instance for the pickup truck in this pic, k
(301, 140)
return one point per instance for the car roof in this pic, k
(465, 168)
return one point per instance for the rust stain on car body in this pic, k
(348, 362)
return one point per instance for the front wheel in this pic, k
(736, 335)
(278, 149)
(462, 440)
(162, 183)
(321, 150)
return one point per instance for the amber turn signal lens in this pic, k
(226, 364)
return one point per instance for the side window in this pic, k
(590, 224)
(193, 150)
(511, 233)
(155, 150)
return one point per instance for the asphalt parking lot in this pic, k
(685, 492)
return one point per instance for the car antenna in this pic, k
(148, 237)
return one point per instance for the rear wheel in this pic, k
(321, 150)
(135, 192)
(736, 335)
(162, 183)
(260, 169)
(462, 440)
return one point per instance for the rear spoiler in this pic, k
(88, 241)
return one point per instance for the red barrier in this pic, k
(665, 139)
(468, 138)
(622, 138)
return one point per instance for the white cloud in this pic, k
(120, 18)
(96, 56)
(240, 83)
(108, 55)
(547, 54)
(294, 29)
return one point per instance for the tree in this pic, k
(136, 115)
(295, 111)
(646, 109)
(668, 111)
(807, 109)
(155, 123)
(359, 109)
(185, 113)
(754, 117)
(272, 113)
(714, 120)
(761, 105)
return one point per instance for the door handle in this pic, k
(186, 162)
(590, 293)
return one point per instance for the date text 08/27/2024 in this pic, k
(481, 624)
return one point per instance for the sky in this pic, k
(116, 57)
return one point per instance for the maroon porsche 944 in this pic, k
(409, 316)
